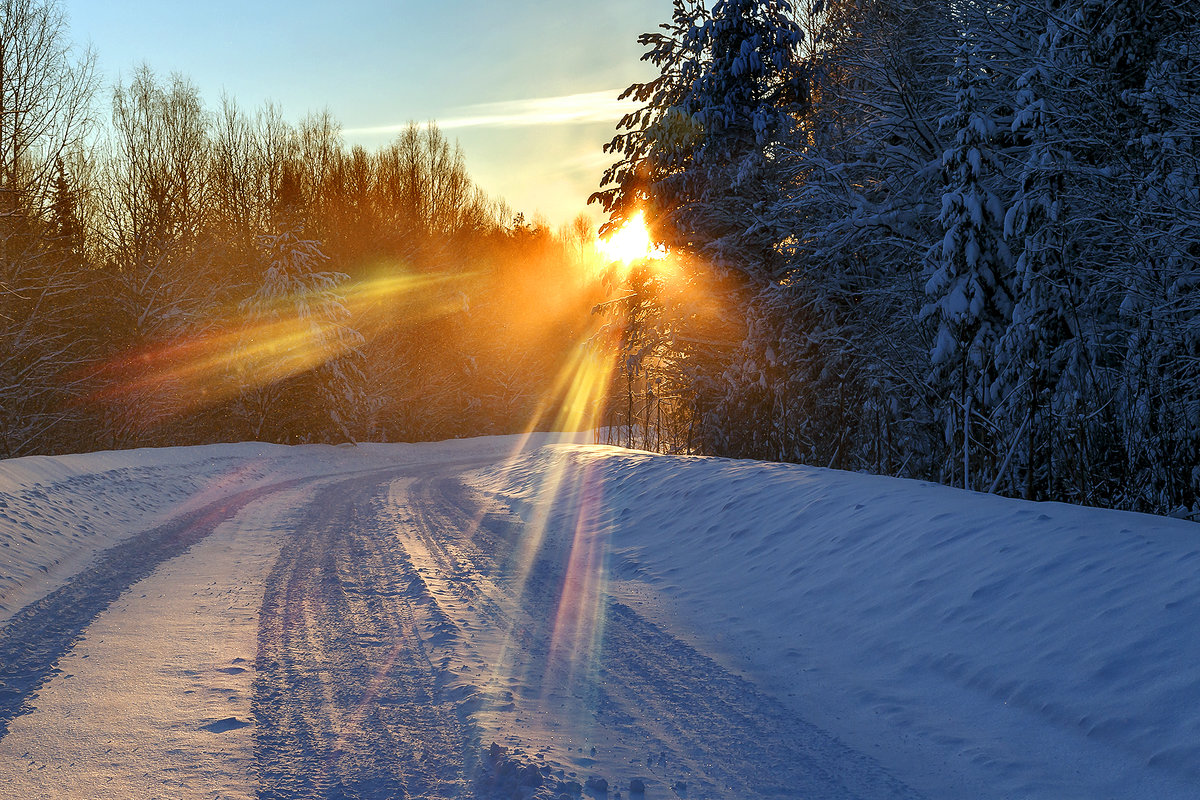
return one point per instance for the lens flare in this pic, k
(240, 351)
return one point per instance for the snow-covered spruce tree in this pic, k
(970, 295)
(1161, 304)
(747, 86)
(1045, 358)
(299, 359)
(863, 184)
(701, 158)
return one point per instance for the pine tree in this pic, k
(702, 160)
(970, 293)
(1044, 356)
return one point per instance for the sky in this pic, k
(527, 87)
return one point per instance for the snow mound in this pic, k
(57, 512)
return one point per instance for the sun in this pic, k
(631, 242)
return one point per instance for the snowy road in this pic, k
(255, 621)
(404, 623)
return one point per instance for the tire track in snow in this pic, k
(37, 636)
(689, 716)
(462, 546)
(347, 700)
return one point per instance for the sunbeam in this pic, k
(242, 350)
(579, 620)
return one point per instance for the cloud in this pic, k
(571, 109)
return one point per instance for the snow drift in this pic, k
(978, 646)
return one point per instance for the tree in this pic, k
(299, 363)
(970, 292)
(46, 93)
(702, 151)
(1161, 303)
(701, 159)
(159, 262)
(1045, 356)
(45, 102)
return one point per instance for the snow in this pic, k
(187, 637)
(57, 513)
(977, 646)
(974, 646)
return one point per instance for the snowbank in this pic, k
(58, 512)
(977, 646)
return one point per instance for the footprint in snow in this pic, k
(223, 725)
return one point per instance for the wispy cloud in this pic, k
(571, 109)
(589, 164)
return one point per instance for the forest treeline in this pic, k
(951, 240)
(954, 241)
(173, 273)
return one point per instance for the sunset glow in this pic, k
(631, 242)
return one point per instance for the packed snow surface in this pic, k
(907, 639)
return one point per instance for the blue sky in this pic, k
(525, 86)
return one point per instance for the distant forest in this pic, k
(949, 240)
(173, 273)
(955, 241)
